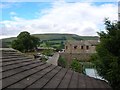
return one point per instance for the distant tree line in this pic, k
(77, 38)
(62, 38)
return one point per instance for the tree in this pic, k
(108, 54)
(16, 44)
(25, 42)
(76, 66)
(35, 42)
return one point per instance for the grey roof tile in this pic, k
(74, 80)
(81, 81)
(65, 81)
(55, 81)
(45, 79)
(21, 72)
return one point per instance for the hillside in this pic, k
(53, 38)
(67, 36)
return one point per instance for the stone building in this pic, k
(81, 50)
(83, 46)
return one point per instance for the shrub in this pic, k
(76, 66)
(62, 62)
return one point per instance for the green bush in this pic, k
(76, 66)
(62, 62)
(48, 52)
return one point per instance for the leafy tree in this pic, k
(62, 62)
(25, 39)
(35, 42)
(25, 42)
(76, 66)
(108, 54)
(16, 44)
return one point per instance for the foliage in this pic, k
(25, 42)
(44, 59)
(60, 47)
(107, 59)
(85, 65)
(47, 44)
(62, 62)
(48, 52)
(77, 38)
(76, 66)
(93, 58)
(35, 41)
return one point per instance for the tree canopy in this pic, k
(25, 42)
(107, 59)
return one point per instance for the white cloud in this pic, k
(7, 5)
(3, 5)
(78, 18)
(13, 13)
(60, 0)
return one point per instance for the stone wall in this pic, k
(80, 56)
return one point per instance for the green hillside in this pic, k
(67, 36)
(55, 39)
(55, 36)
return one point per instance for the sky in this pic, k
(57, 16)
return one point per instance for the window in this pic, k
(87, 47)
(81, 47)
(66, 47)
(75, 47)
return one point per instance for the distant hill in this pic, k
(67, 36)
(52, 38)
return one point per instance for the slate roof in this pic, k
(19, 71)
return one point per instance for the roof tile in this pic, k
(19, 71)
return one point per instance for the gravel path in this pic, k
(54, 59)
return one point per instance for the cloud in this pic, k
(13, 13)
(60, 0)
(6, 5)
(62, 17)
(3, 5)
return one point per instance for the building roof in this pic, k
(83, 42)
(19, 71)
